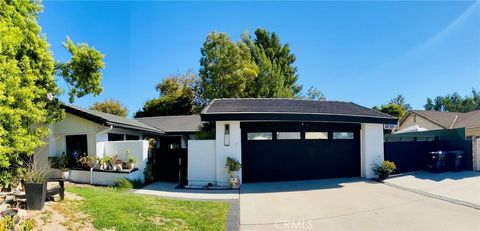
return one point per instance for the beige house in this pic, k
(430, 120)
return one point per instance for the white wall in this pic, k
(101, 178)
(138, 149)
(222, 151)
(201, 162)
(371, 142)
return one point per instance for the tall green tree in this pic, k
(27, 84)
(400, 100)
(454, 102)
(226, 67)
(177, 96)
(277, 76)
(110, 106)
(392, 109)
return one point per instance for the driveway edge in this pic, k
(438, 197)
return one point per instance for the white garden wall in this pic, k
(371, 139)
(102, 178)
(234, 149)
(201, 162)
(137, 148)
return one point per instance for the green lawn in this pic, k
(120, 210)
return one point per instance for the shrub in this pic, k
(385, 167)
(149, 173)
(123, 183)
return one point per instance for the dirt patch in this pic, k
(61, 215)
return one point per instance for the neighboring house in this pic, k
(288, 139)
(430, 120)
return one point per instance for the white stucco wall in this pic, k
(222, 151)
(371, 147)
(137, 148)
(101, 178)
(201, 162)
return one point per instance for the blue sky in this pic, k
(364, 52)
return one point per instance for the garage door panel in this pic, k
(279, 160)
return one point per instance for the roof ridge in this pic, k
(292, 99)
(146, 117)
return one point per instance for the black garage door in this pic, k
(299, 151)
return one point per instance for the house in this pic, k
(93, 133)
(431, 120)
(287, 139)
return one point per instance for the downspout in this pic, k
(100, 132)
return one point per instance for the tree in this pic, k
(392, 109)
(400, 100)
(177, 97)
(27, 85)
(82, 71)
(454, 102)
(225, 67)
(110, 106)
(277, 76)
(314, 93)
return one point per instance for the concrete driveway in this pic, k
(459, 187)
(347, 204)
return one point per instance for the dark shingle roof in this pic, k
(109, 119)
(451, 119)
(294, 108)
(169, 124)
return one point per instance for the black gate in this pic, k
(171, 161)
(315, 151)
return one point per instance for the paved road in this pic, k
(347, 204)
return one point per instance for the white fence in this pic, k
(201, 162)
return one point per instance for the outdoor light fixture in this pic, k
(226, 138)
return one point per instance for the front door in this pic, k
(77, 146)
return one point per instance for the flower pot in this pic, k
(131, 165)
(383, 175)
(119, 167)
(233, 174)
(65, 174)
(35, 193)
(234, 182)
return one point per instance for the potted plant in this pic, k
(130, 162)
(112, 163)
(103, 162)
(233, 166)
(87, 162)
(35, 183)
(383, 169)
(119, 164)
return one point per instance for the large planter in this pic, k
(35, 193)
(383, 175)
(233, 174)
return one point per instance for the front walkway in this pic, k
(461, 187)
(167, 189)
(347, 204)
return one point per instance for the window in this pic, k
(132, 137)
(343, 135)
(115, 137)
(288, 135)
(316, 135)
(259, 136)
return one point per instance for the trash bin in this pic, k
(455, 160)
(437, 161)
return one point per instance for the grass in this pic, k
(115, 209)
